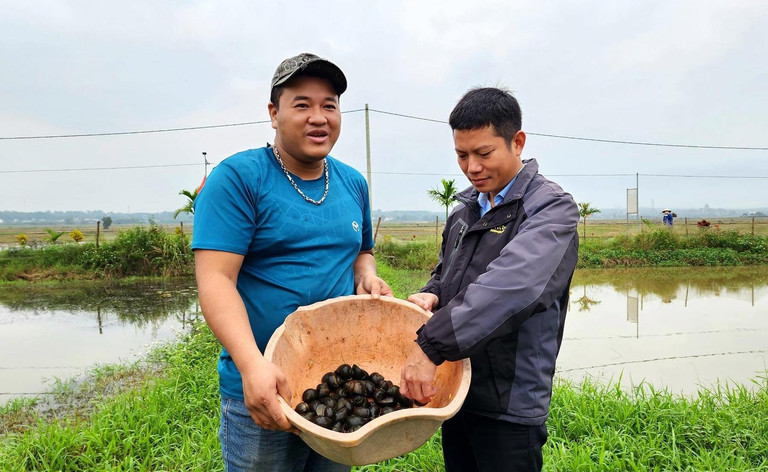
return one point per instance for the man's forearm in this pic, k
(225, 313)
(365, 265)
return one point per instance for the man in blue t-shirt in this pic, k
(277, 228)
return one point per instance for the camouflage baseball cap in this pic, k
(310, 64)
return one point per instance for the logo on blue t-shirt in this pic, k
(355, 226)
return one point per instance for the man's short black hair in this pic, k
(481, 107)
(277, 90)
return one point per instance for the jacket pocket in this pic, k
(501, 354)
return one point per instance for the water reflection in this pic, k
(681, 328)
(61, 330)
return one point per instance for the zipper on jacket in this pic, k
(459, 239)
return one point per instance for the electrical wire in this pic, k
(598, 140)
(402, 115)
(80, 169)
(443, 174)
(149, 131)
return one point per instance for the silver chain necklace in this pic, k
(290, 179)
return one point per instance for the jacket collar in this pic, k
(469, 195)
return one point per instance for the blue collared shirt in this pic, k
(485, 204)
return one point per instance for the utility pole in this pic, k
(205, 158)
(368, 157)
(639, 218)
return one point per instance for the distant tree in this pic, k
(445, 195)
(190, 206)
(53, 236)
(586, 211)
(107, 222)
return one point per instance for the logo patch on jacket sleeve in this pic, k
(499, 229)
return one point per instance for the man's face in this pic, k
(485, 158)
(308, 121)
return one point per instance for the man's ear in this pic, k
(272, 114)
(519, 141)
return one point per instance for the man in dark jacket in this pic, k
(499, 293)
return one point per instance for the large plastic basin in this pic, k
(377, 335)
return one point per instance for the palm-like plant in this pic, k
(586, 211)
(444, 196)
(53, 236)
(190, 206)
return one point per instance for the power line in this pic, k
(707, 176)
(149, 131)
(598, 140)
(443, 174)
(122, 133)
(408, 116)
(95, 168)
(402, 115)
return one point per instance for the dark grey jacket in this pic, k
(503, 283)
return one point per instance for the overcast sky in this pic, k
(674, 72)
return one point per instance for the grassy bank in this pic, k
(162, 414)
(655, 248)
(163, 418)
(663, 248)
(151, 251)
(138, 251)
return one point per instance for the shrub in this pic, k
(77, 235)
(22, 239)
(660, 239)
(415, 255)
(141, 251)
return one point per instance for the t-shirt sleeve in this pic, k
(224, 212)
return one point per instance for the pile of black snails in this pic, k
(349, 397)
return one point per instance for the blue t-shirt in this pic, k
(295, 253)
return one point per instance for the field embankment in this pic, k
(138, 251)
(155, 251)
(653, 248)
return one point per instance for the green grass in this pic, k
(598, 427)
(151, 251)
(138, 251)
(163, 416)
(663, 248)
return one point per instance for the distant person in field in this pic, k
(499, 294)
(669, 217)
(276, 228)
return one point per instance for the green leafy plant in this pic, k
(445, 195)
(53, 236)
(190, 206)
(585, 211)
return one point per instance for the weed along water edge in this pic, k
(65, 329)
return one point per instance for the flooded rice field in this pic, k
(50, 331)
(677, 328)
(681, 329)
